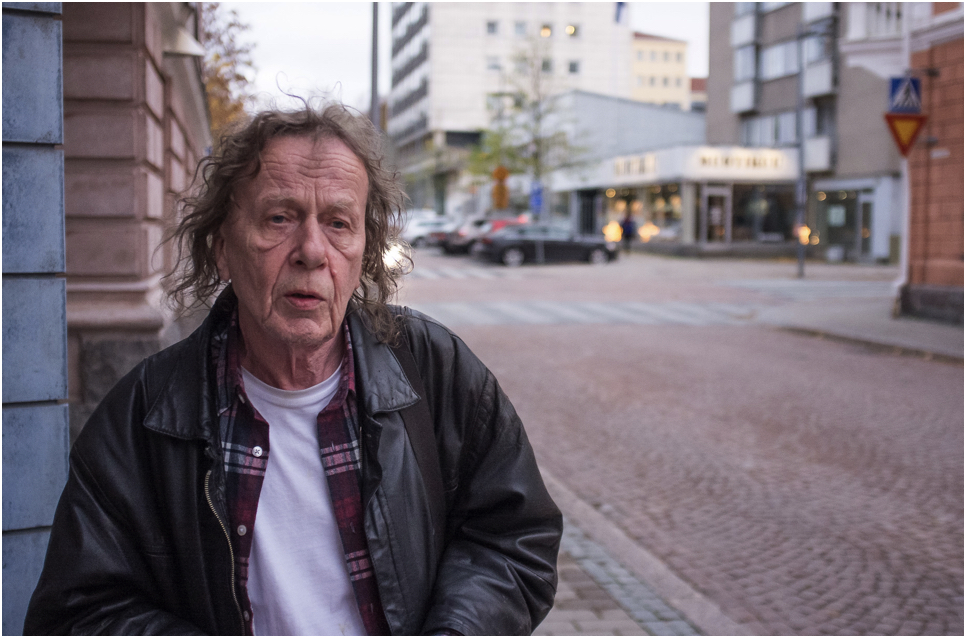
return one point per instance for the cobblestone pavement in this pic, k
(804, 486)
(597, 596)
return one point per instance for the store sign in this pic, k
(712, 158)
(637, 165)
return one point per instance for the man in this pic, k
(266, 474)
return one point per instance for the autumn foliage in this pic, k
(227, 65)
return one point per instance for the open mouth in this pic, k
(303, 300)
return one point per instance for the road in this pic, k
(803, 486)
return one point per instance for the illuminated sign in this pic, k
(751, 159)
(637, 165)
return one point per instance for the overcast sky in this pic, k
(313, 48)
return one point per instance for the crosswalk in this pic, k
(461, 273)
(810, 289)
(587, 312)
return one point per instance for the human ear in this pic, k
(221, 257)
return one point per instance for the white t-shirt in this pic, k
(297, 577)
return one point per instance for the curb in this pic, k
(879, 346)
(700, 611)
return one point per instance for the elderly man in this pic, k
(310, 460)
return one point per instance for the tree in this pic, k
(527, 134)
(227, 65)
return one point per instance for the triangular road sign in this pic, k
(905, 128)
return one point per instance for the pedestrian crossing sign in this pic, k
(905, 95)
(905, 129)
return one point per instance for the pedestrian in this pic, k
(311, 460)
(628, 231)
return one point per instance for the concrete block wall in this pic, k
(35, 429)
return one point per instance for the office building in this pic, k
(659, 70)
(454, 64)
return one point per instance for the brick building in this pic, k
(934, 277)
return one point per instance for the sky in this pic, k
(325, 47)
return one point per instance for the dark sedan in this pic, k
(515, 245)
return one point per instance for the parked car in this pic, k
(427, 231)
(515, 245)
(462, 238)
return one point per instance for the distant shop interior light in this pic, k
(610, 192)
(821, 196)
(571, 30)
(545, 31)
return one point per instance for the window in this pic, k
(640, 55)
(678, 57)
(520, 66)
(745, 63)
(572, 30)
(640, 80)
(787, 135)
(574, 67)
(546, 31)
(491, 27)
(520, 27)
(667, 56)
(493, 63)
(817, 48)
(779, 60)
(677, 82)
(744, 8)
(771, 6)
(653, 56)
(653, 80)
(547, 65)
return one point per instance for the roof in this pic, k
(699, 84)
(647, 36)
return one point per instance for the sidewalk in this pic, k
(870, 322)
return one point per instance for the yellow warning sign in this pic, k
(905, 128)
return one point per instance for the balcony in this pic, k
(819, 79)
(743, 97)
(818, 154)
(743, 30)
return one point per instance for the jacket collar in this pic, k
(381, 382)
(184, 405)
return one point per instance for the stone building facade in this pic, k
(104, 120)
(135, 126)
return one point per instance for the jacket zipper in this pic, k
(231, 551)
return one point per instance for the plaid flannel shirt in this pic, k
(245, 441)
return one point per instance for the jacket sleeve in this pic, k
(497, 574)
(95, 578)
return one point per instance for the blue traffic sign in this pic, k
(905, 95)
(536, 198)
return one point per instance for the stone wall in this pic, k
(34, 325)
(135, 126)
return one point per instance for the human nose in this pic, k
(312, 245)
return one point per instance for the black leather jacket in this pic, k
(139, 541)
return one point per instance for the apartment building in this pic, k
(839, 58)
(454, 64)
(659, 70)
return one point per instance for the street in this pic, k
(799, 485)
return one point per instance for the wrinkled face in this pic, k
(293, 242)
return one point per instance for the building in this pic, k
(659, 70)
(699, 94)
(840, 57)
(932, 281)
(453, 64)
(118, 85)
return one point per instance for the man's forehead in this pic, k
(286, 161)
